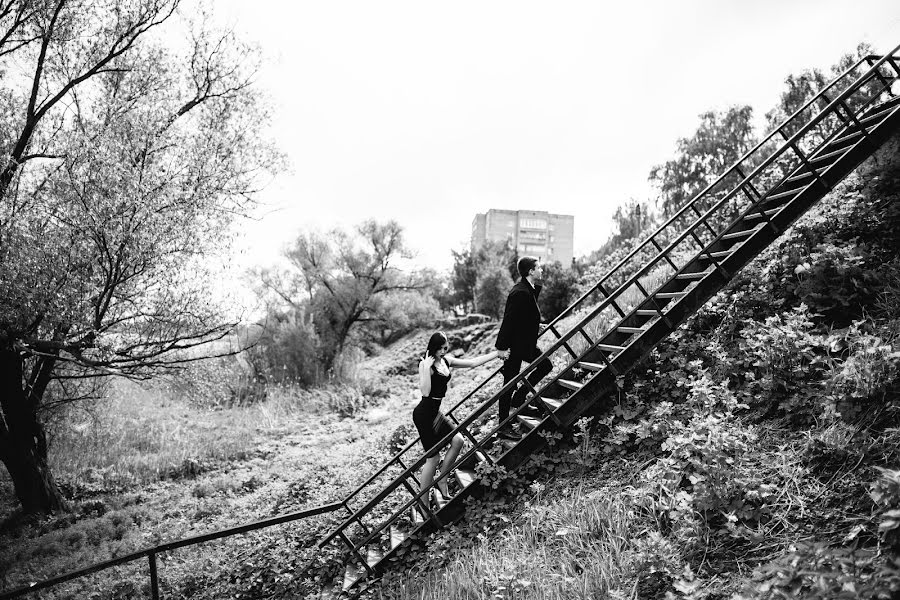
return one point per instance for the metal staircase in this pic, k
(648, 294)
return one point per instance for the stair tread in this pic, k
(785, 194)
(590, 366)
(757, 215)
(529, 422)
(352, 573)
(464, 477)
(572, 385)
(416, 515)
(631, 330)
(553, 403)
(693, 276)
(610, 347)
(397, 536)
(374, 556)
(741, 234)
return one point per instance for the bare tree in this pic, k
(122, 166)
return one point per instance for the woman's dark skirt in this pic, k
(432, 424)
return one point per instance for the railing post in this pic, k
(154, 581)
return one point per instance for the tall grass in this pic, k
(575, 546)
(139, 434)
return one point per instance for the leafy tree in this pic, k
(399, 313)
(560, 289)
(800, 88)
(720, 140)
(470, 267)
(493, 286)
(464, 279)
(352, 285)
(122, 166)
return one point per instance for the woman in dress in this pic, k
(433, 426)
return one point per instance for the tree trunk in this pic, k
(23, 441)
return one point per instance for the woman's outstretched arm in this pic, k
(472, 362)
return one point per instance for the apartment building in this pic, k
(533, 232)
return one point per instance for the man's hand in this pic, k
(542, 327)
(503, 354)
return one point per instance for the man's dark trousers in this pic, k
(511, 367)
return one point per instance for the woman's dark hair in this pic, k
(438, 339)
(525, 265)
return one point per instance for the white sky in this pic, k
(429, 112)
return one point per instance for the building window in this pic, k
(533, 223)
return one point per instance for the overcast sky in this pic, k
(429, 113)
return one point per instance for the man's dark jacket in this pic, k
(521, 320)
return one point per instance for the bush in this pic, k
(867, 375)
(782, 355)
(491, 291)
(287, 350)
(835, 282)
(705, 480)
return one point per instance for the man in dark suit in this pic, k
(517, 340)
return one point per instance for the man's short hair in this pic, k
(525, 265)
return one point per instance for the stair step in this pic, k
(801, 177)
(572, 385)
(439, 498)
(352, 573)
(757, 215)
(782, 195)
(374, 556)
(666, 295)
(590, 366)
(740, 234)
(631, 330)
(464, 478)
(610, 347)
(397, 536)
(553, 403)
(643, 312)
(529, 422)
(693, 276)
(821, 160)
(718, 254)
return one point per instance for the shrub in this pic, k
(835, 283)
(782, 354)
(866, 376)
(491, 291)
(705, 480)
(818, 572)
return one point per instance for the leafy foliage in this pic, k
(719, 142)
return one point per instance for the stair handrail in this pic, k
(152, 551)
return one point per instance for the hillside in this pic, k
(754, 455)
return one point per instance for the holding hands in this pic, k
(503, 354)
